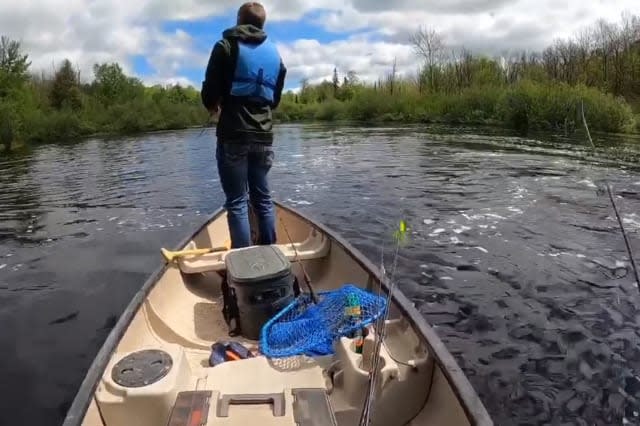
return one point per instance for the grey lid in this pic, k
(256, 263)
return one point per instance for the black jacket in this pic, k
(239, 121)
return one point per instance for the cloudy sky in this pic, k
(166, 41)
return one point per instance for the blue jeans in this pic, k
(243, 169)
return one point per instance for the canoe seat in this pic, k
(315, 246)
(161, 385)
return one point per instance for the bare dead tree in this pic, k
(429, 45)
(602, 37)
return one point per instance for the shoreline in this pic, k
(489, 124)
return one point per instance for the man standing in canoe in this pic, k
(243, 84)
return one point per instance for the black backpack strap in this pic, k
(296, 286)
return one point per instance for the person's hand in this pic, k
(214, 111)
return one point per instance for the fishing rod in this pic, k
(307, 280)
(634, 266)
(380, 329)
(210, 122)
(207, 125)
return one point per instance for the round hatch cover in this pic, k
(141, 368)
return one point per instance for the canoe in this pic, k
(155, 366)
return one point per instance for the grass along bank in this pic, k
(523, 106)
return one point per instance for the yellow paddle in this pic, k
(170, 256)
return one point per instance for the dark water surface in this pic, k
(514, 257)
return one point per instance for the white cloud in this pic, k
(371, 60)
(90, 31)
(488, 25)
(277, 10)
(485, 26)
(170, 81)
(169, 53)
(82, 31)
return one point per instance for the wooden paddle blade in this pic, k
(167, 254)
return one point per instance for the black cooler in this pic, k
(263, 284)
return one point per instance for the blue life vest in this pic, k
(256, 71)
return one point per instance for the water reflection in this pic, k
(20, 207)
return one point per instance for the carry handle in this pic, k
(276, 399)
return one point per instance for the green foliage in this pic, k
(6, 126)
(65, 89)
(514, 109)
(331, 110)
(111, 85)
(14, 94)
(53, 125)
(38, 109)
(291, 109)
(558, 106)
(523, 106)
(14, 66)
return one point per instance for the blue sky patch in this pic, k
(141, 66)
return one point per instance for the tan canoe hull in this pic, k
(179, 311)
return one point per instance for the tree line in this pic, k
(600, 66)
(39, 107)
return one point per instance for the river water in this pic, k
(514, 255)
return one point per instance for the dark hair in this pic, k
(252, 13)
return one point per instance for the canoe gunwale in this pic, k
(82, 400)
(460, 385)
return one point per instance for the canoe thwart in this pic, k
(315, 246)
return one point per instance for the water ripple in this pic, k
(514, 256)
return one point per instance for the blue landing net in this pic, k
(305, 328)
